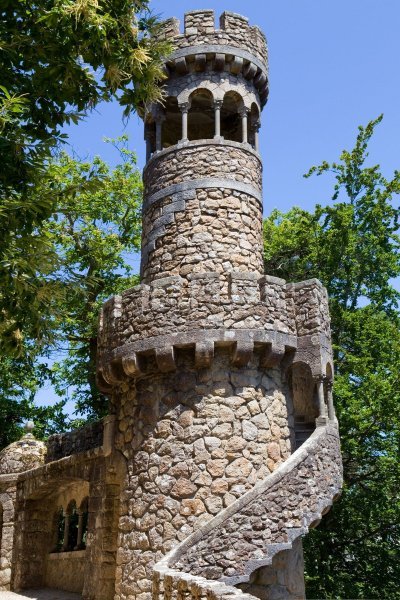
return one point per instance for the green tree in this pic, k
(58, 60)
(352, 246)
(95, 230)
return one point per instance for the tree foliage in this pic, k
(58, 60)
(93, 232)
(352, 246)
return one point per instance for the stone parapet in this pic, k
(61, 445)
(218, 159)
(243, 309)
(199, 30)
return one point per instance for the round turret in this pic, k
(202, 208)
(23, 455)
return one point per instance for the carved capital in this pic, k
(184, 106)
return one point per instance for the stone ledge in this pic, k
(73, 554)
(206, 183)
(209, 301)
(130, 360)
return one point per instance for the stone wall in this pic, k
(208, 309)
(38, 497)
(213, 159)
(283, 579)
(209, 234)
(8, 490)
(66, 571)
(195, 442)
(202, 210)
(270, 517)
(60, 445)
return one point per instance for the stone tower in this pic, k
(219, 375)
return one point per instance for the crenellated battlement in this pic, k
(202, 23)
(235, 46)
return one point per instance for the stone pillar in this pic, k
(80, 530)
(66, 532)
(243, 113)
(148, 146)
(331, 407)
(257, 136)
(217, 116)
(184, 107)
(159, 121)
(321, 398)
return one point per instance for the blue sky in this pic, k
(333, 65)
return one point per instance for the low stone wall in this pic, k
(61, 445)
(66, 571)
(208, 309)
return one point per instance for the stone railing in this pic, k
(261, 523)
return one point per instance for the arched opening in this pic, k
(328, 393)
(284, 578)
(231, 122)
(305, 401)
(172, 126)
(201, 115)
(253, 123)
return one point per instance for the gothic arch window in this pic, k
(172, 126)
(305, 402)
(231, 121)
(201, 115)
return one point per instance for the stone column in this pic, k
(159, 121)
(331, 407)
(243, 113)
(66, 532)
(321, 397)
(148, 147)
(217, 116)
(184, 107)
(80, 531)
